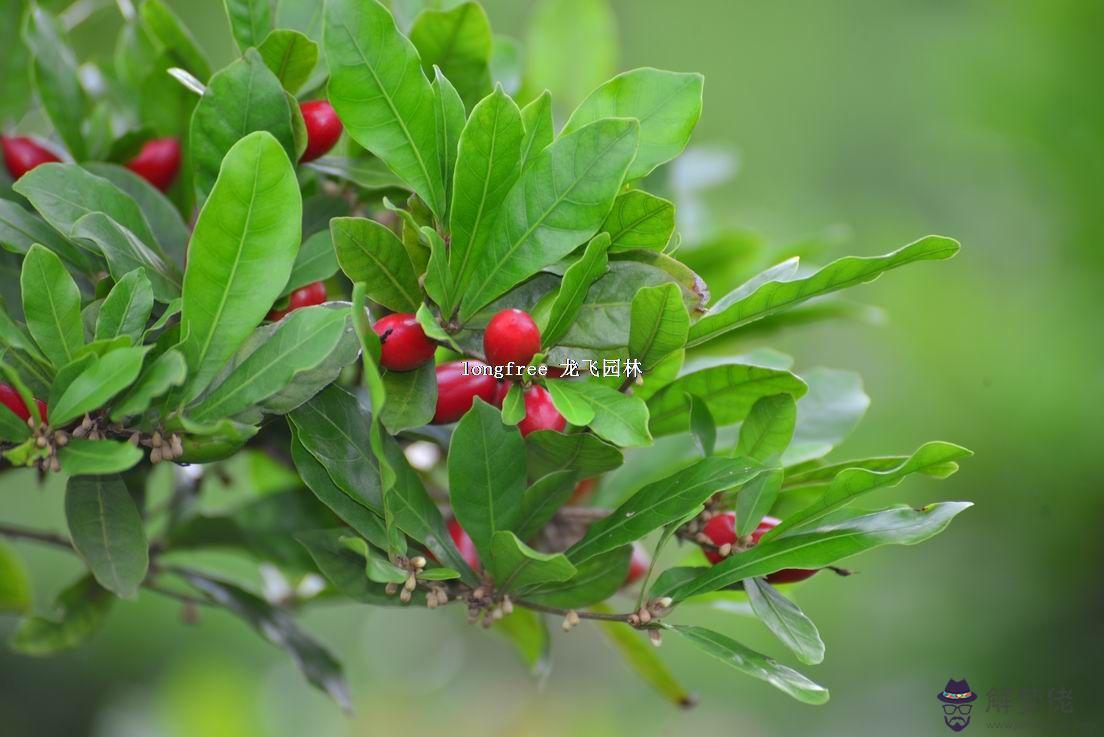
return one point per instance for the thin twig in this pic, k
(23, 533)
(181, 597)
(582, 614)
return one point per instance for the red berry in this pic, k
(323, 128)
(308, 296)
(21, 154)
(10, 398)
(157, 162)
(404, 345)
(464, 544)
(638, 564)
(511, 336)
(456, 392)
(540, 413)
(583, 489)
(721, 529)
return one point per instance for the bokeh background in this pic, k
(851, 126)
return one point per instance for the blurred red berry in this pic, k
(21, 154)
(158, 162)
(323, 128)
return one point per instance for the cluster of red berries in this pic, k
(720, 529)
(10, 398)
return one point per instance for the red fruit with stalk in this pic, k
(511, 337)
(456, 391)
(403, 344)
(323, 128)
(721, 530)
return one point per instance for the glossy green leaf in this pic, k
(174, 39)
(541, 501)
(55, 78)
(381, 95)
(540, 129)
(569, 298)
(571, 47)
(93, 457)
(827, 414)
(558, 203)
(788, 623)
(241, 254)
(319, 667)
(100, 379)
(640, 220)
(644, 660)
(51, 303)
(819, 546)
(703, 428)
(294, 345)
(575, 407)
(367, 173)
(754, 664)
(126, 309)
(125, 252)
(815, 474)
(768, 428)
(756, 499)
(342, 568)
(457, 40)
(316, 261)
(487, 165)
(451, 116)
(242, 98)
(411, 398)
(667, 104)
(659, 324)
(20, 229)
(548, 451)
(106, 529)
(376, 568)
(852, 483)
(486, 463)
(513, 405)
(775, 296)
(371, 253)
(290, 55)
(621, 419)
(662, 502)
(12, 429)
(515, 565)
(167, 371)
(168, 227)
(79, 612)
(250, 21)
(15, 587)
(728, 390)
(596, 580)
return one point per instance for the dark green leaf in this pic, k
(541, 501)
(169, 229)
(754, 664)
(99, 379)
(411, 398)
(659, 324)
(756, 499)
(515, 565)
(597, 579)
(369, 252)
(80, 457)
(662, 502)
(640, 220)
(126, 309)
(167, 371)
(458, 41)
(80, 611)
(19, 230)
(785, 620)
(569, 298)
(107, 532)
(702, 427)
(12, 429)
(343, 568)
(290, 55)
(316, 261)
(174, 39)
(55, 78)
(768, 428)
(549, 451)
(621, 419)
(125, 252)
(51, 302)
(450, 116)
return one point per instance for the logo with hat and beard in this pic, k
(957, 701)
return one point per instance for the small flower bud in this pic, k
(177, 446)
(573, 617)
(479, 593)
(665, 602)
(40, 442)
(655, 637)
(725, 550)
(567, 624)
(404, 596)
(155, 456)
(31, 423)
(55, 464)
(61, 438)
(418, 562)
(645, 616)
(411, 583)
(431, 600)
(497, 613)
(390, 589)
(156, 439)
(634, 620)
(134, 438)
(442, 596)
(507, 605)
(488, 620)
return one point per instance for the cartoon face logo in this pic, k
(957, 701)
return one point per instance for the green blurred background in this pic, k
(856, 125)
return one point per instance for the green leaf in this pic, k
(367, 173)
(381, 95)
(573, 289)
(376, 568)
(513, 405)
(814, 474)
(99, 379)
(241, 254)
(571, 404)
(15, 587)
(343, 569)
(167, 371)
(450, 116)
(816, 547)
(91, 457)
(775, 296)
(788, 623)
(316, 261)
(486, 464)
(174, 38)
(125, 252)
(659, 324)
(65, 193)
(540, 129)
(642, 658)
(526, 631)
(756, 499)
(729, 391)
(411, 398)
(667, 104)
(702, 426)
(571, 47)
(541, 501)
(250, 21)
(640, 220)
(852, 483)
(559, 202)
(12, 429)
(107, 532)
(55, 78)
(515, 565)
(334, 427)
(487, 165)
(126, 309)
(767, 430)
(619, 418)
(242, 98)
(51, 303)
(20, 229)
(596, 580)
(290, 55)
(369, 252)
(294, 345)
(549, 451)
(458, 41)
(80, 611)
(662, 502)
(827, 414)
(754, 664)
(276, 626)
